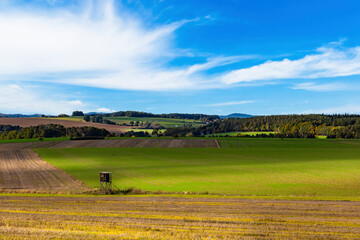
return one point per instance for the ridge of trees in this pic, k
(290, 126)
(98, 119)
(202, 117)
(49, 131)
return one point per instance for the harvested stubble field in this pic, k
(24, 171)
(161, 217)
(28, 122)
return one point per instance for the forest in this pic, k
(289, 126)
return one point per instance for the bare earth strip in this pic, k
(28, 122)
(23, 170)
(176, 143)
(160, 217)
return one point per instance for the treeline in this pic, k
(7, 128)
(98, 119)
(50, 131)
(289, 126)
(201, 117)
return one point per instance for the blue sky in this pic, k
(215, 57)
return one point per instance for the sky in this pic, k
(257, 57)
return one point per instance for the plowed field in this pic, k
(163, 143)
(23, 170)
(175, 218)
(28, 122)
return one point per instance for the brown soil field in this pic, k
(156, 142)
(160, 217)
(24, 171)
(28, 122)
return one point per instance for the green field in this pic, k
(77, 118)
(261, 167)
(166, 122)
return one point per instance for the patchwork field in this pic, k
(161, 217)
(263, 167)
(263, 170)
(28, 122)
(166, 122)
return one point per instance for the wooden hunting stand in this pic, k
(106, 182)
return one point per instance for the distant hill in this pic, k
(95, 113)
(237, 115)
(19, 115)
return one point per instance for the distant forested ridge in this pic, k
(202, 117)
(291, 126)
(49, 131)
(237, 115)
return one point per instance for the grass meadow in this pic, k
(166, 122)
(248, 167)
(76, 118)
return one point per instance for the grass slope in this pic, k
(166, 122)
(77, 118)
(263, 167)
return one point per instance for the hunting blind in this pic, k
(106, 182)
(105, 177)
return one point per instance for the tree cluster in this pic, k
(7, 128)
(78, 114)
(135, 134)
(52, 130)
(290, 126)
(98, 119)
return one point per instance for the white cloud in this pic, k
(97, 47)
(18, 99)
(228, 103)
(330, 61)
(327, 87)
(104, 110)
(64, 41)
(75, 103)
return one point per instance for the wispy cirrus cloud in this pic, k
(228, 103)
(104, 110)
(19, 99)
(27, 99)
(99, 47)
(329, 61)
(325, 87)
